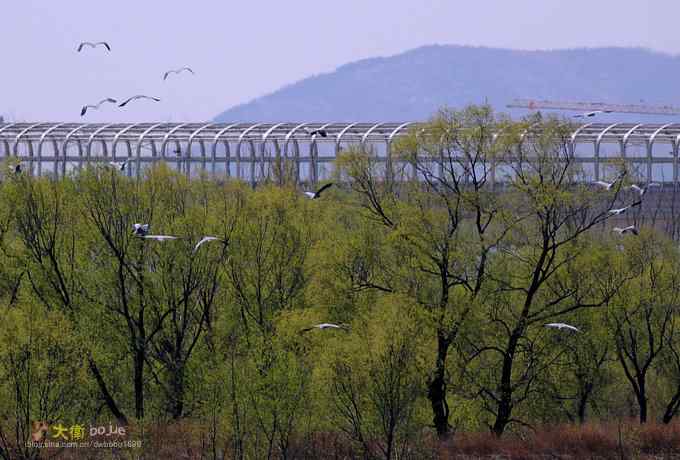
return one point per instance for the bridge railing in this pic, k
(251, 151)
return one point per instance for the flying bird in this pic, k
(320, 132)
(140, 229)
(323, 326)
(204, 240)
(120, 165)
(563, 326)
(629, 229)
(160, 237)
(97, 105)
(139, 96)
(617, 212)
(181, 69)
(16, 169)
(591, 114)
(642, 190)
(93, 45)
(608, 185)
(317, 194)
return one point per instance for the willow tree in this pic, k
(157, 296)
(265, 276)
(185, 282)
(642, 319)
(434, 200)
(548, 269)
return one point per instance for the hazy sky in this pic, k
(244, 49)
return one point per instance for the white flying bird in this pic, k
(563, 326)
(608, 185)
(317, 194)
(181, 69)
(620, 211)
(120, 165)
(160, 237)
(205, 239)
(93, 45)
(629, 229)
(643, 190)
(323, 326)
(139, 96)
(96, 106)
(140, 229)
(591, 114)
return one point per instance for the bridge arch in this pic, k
(289, 140)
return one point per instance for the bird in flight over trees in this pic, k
(563, 326)
(617, 212)
(609, 185)
(140, 229)
(629, 229)
(317, 194)
(323, 326)
(205, 239)
(160, 237)
(120, 165)
(642, 190)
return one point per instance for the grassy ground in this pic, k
(625, 440)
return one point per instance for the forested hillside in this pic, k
(412, 85)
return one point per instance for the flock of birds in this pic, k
(121, 165)
(142, 231)
(110, 100)
(641, 191)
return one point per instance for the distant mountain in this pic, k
(412, 85)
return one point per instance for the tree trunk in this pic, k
(390, 442)
(504, 412)
(642, 400)
(139, 382)
(436, 391)
(672, 408)
(583, 402)
(176, 397)
(108, 399)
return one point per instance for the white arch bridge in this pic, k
(248, 150)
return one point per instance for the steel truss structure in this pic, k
(248, 151)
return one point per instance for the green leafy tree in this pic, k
(641, 319)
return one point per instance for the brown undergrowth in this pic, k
(190, 441)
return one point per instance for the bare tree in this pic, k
(641, 321)
(583, 370)
(545, 276)
(441, 208)
(670, 367)
(377, 413)
(266, 268)
(40, 366)
(265, 278)
(46, 223)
